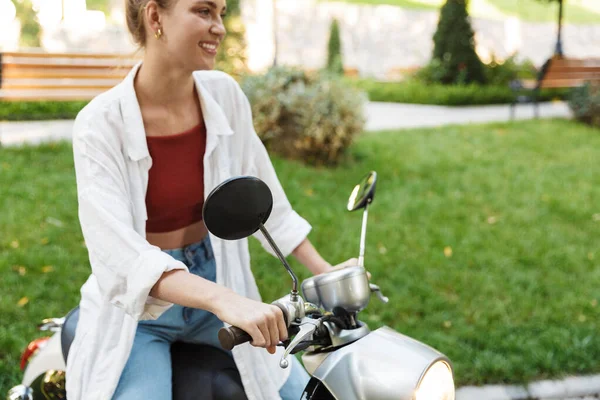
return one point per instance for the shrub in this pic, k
(585, 103)
(454, 55)
(416, 92)
(335, 64)
(503, 73)
(311, 117)
(496, 73)
(39, 110)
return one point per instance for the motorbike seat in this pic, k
(199, 371)
(67, 333)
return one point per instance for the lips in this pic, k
(209, 47)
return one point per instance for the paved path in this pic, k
(380, 116)
(397, 116)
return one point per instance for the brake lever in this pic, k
(307, 328)
(375, 289)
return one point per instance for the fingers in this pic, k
(269, 329)
(282, 327)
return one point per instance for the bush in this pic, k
(335, 64)
(503, 73)
(496, 73)
(310, 117)
(454, 55)
(585, 103)
(39, 110)
(416, 92)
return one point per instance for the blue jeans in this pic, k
(147, 373)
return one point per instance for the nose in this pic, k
(218, 29)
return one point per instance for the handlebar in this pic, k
(234, 336)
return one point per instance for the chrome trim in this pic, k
(20, 392)
(51, 324)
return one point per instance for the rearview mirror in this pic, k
(237, 207)
(363, 193)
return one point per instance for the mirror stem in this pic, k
(363, 235)
(294, 294)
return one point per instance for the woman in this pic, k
(147, 152)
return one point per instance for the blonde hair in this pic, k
(134, 14)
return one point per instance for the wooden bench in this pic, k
(57, 76)
(557, 72)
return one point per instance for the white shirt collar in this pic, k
(135, 136)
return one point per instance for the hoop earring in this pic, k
(158, 33)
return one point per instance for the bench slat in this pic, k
(67, 74)
(63, 82)
(34, 95)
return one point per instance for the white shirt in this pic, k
(111, 164)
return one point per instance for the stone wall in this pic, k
(380, 39)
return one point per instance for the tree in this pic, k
(232, 56)
(334, 50)
(30, 25)
(454, 46)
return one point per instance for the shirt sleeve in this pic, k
(125, 265)
(285, 225)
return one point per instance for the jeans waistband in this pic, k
(202, 249)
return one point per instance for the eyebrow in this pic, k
(210, 3)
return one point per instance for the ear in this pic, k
(152, 16)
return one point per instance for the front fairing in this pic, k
(382, 365)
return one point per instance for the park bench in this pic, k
(60, 76)
(556, 73)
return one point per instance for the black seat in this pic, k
(68, 331)
(200, 372)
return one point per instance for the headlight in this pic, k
(437, 383)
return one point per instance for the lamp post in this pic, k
(559, 49)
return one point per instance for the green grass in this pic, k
(517, 204)
(526, 10)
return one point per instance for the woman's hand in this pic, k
(264, 322)
(348, 263)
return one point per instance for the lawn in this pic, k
(526, 10)
(485, 238)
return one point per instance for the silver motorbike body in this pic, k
(377, 366)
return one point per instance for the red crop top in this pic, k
(175, 195)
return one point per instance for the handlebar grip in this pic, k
(232, 336)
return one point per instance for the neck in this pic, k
(159, 82)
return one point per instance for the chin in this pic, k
(204, 66)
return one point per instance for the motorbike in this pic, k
(345, 359)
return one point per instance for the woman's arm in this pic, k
(308, 256)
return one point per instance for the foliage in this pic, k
(311, 117)
(454, 46)
(99, 5)
(232, 55)
(502, 73)
(416, 92)
(585, 103)
(30, 25)
(39, 110)
(335, 63)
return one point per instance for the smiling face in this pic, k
(191, 32)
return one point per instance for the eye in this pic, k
(203, 11)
